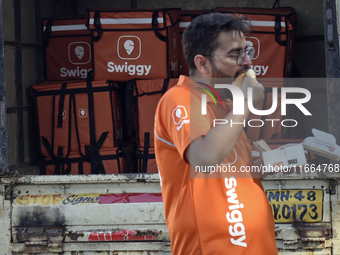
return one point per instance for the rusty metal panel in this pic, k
(154, 248)
(51, 212)
(336, 220)
(5, 223)
(138, 214)
(111, 248)
(304, 252)
(48, 217)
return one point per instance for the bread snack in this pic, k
(239, 80)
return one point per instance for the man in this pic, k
(210, 216)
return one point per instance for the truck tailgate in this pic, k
(121, 213)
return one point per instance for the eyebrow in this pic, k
(237, 49)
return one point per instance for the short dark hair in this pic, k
(200, 37)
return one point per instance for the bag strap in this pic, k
(76, 125)
(95, 158)
(81, 166)
(100, 165)
(92, 125)
(61, 105)
(128, 101)
(165, 86)
(146, 152)
(98, 26)
(57, 159)
(42, 165)
(47, 33)
(154, 27)
(276, 4)
(278, 28)
(112, 90)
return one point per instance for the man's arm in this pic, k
(216, 145)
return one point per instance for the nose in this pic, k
(247, 61)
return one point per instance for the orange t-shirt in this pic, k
(207, 216)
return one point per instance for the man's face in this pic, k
(223, 61)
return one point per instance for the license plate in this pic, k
(296, 205)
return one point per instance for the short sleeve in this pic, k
(179, 120)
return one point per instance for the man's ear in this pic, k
(202, 64)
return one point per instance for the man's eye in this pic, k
(234, 53)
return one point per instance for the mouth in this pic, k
(241, 71)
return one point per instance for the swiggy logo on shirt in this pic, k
(234, 216)
(179, 116)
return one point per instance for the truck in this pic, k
(123, 214)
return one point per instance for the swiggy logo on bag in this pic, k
(79, 53)
(255, 43)
(129, 47)
(82, 113)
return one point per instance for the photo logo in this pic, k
(238, 102)
(79, 53)
(179, 116)
(255, 43)
(239, 99)
(204, 98)
(129, 47)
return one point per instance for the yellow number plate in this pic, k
(296, 205)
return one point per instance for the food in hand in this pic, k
(239, 80)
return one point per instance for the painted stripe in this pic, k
(67, 28)
(184, 24)
(126, 21)
(254, 23)
(257, 23)
(130, 198)
(165, 141)
(123, 235)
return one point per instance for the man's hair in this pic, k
(200, 37)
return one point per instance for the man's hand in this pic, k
(258, 90)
